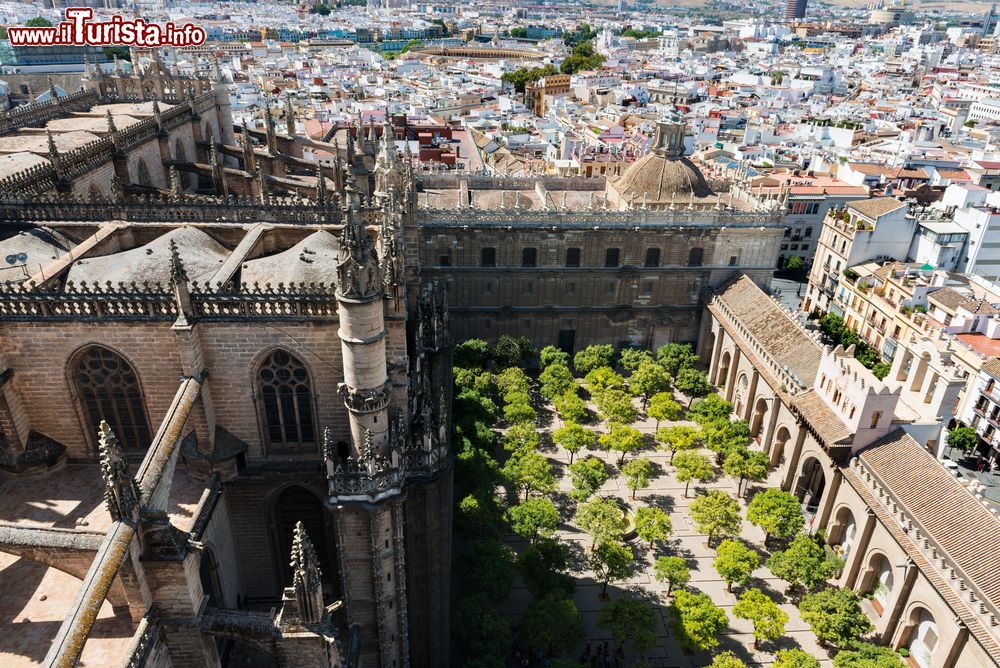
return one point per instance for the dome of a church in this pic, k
(661, 176)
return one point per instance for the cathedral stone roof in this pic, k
(200, 254)
(312, 260)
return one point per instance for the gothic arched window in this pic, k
(286, 397)
(108, 388)
(142, 171)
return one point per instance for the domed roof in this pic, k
(658, 178)
(663, 173)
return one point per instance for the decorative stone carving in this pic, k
(120, 491)
(366, 400)
(306, 576)
(357, 264)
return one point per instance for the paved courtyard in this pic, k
(666, 493)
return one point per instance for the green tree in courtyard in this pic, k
(631, 358)
(552, 623)
(602, 379)
(673, 571)
(521, 438)
(616, 406)
(835, 616)
(767, 618)
(727, 660)
(543, 566)
(678, 438)
(629, 618)
(652, 525)
(573, 438)
(571, 407)
(867, 655)
(743, 464)
(588, 475)
(805, 562)
(533, 518)
(478, 515)
(637, 474)
(593, 357)
(471, 354)
(716, 515)
(487, 566)
(663, 407)
(556, 380)
(622, 439)
(724, 437)
(480, 628)
(777, 512)
(647, 380)
(794, 658)
(692, 383)
(676, 356)
(611, 561)
(602, 518)
(692, 466)
(735, 563)
(709, 410)
(697, 620)
(550, 355)
(530, 472)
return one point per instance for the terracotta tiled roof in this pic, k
(992, 367)
(876, 206)
(945, 511)
(827, 426)
(780, 336)
(947, 297)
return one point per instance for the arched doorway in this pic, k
(881, 582)
(778, 446)
(298, 504)
(708, 352)
(923, 637)
(757, 422)
(811, 485)
(723, 370)
(742, 387)
(844, 531)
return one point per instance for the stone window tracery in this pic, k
(286, 398)
(108, 389)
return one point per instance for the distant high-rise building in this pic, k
(795, 9)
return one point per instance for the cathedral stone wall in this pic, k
(40, 354)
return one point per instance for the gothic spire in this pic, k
(54, 157)
(306, 577)
(177, 272)
(120, 491)
(320, 185)
(289, 116)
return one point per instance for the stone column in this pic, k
(860, 551)
(892, 628)
(362, 332)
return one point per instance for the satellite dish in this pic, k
(11, 259)
(22, 257)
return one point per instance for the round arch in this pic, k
(107, 386)
(844, 531)
(781, 437)
(757, 421)
(923, 635)
(742, 387)
(724, 363)
(811, 483)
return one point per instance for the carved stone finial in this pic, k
(156, 115)
(54, 157)
(120, 491)
(320, 185)
(176, 190)
(117, 192)
(177, 272)
(306, 577)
